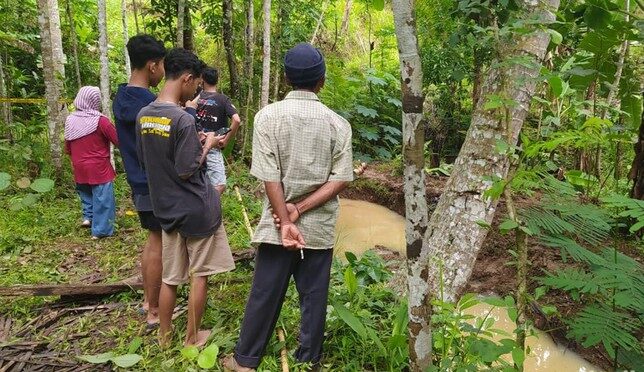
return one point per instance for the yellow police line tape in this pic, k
(31, 100)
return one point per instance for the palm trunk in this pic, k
(125, 39)
(74, 37)
(414, 185)
(180, 19)
(105, 69)
(266, 58)
(54, 75)
(227, 7)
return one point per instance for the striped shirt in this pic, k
(302, 144)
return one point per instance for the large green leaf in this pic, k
(98, 358)
(42, 185)
(599, 42)
(190, 352)
(5, 180)
(351, 320)
(127, 360)
(597, 15)
(208, 356)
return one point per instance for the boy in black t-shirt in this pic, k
(185, 203)
(213, 111)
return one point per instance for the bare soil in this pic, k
(492, 272)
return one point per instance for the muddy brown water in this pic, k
(362, 226)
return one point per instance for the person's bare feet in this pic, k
(202, 337)
(165, 338)
(152, 317)
(230, 364)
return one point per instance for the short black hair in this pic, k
(179, 61)
(210, 76)
(144, 48)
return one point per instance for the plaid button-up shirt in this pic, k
(302, 144)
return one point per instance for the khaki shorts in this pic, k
(184, 257)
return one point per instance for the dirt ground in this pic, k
(491, 274)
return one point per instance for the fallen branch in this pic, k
(101, 289)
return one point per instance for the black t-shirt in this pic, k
(169, 147)
(213, 111)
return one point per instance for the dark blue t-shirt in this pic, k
(128, 102)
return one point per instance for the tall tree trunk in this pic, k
(614, 88)
(54, 75)
(414, 184)
(227, 7)
(319, 23)
(180, 22)
(125, 39)
(345, 18)
(249, 71)
(136, 16)
(6, 106)
(441, 253)
(476, 83)
(74, 37)
(188, 32)
(277, 48)
(105, 67)
(637, 168)
(266, 58)
(454, 235)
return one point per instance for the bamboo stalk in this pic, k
(246, 219)
(284, 352)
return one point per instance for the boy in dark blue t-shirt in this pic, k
(146, 57)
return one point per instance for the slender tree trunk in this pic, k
(266, 58)
(136, 16)
(414, 185)
(54, 75)
(227, 7)
(6, 107)
(180, 20)
(319, 23)
(277, 48)
(249, 70)
(637, 168)
(125, 39)
(74, 37)
(454, 235)
(105, 67)
(188, 32)
(345, 18)
(521, 239)
(614, 88)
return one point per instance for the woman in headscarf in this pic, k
(87, 141)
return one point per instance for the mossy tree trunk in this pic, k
(54, 75)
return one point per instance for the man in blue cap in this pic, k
(302, 153)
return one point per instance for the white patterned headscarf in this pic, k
(84, 120)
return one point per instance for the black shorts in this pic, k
(149, 221)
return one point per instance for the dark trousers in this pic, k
(274, 266)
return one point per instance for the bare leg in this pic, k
(167, 300)
(152, 267)
(196, 305)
